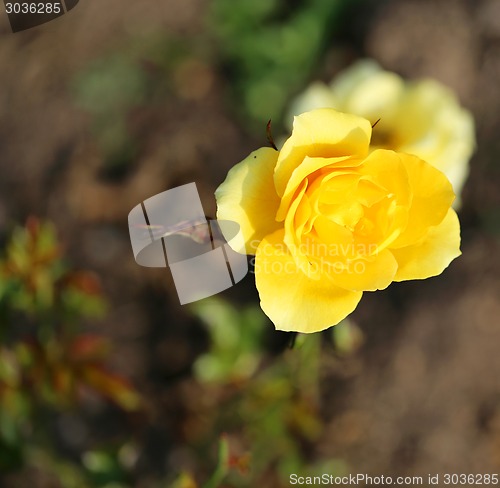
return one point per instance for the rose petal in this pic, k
(292, 300)
(371, 273)
(433, 255)
(376, 98)
(387, 169)
(432, 197)
(247, 196)
(322, 133)
(332, 166)
(434, 126)
(316, 95)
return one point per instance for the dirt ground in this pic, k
(423, 393)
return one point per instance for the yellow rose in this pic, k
(328, 219)
(420, 117)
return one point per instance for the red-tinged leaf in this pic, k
(47, 257)
(88, 347)
(63, 383)
(86, 282)
(112, 386)
(240, 463)
(32, 226)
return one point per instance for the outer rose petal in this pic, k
(446, 137)
(432, 197)
(348, 80)
(323, 133)
(369, 274)
(290, 299)
(316, 95)
(247, 196)
(433, 255)
(376, 97)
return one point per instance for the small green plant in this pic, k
(236, 341)
(46, 362)
(269, 405)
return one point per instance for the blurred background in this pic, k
(105, 380)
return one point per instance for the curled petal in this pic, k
(322, 133)
(307, 168)
(247, 196)
(433, 254)
(432, 197)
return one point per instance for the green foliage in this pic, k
(35, 281)
(271, 48)
(270, 405)
(222, 468)
(236, 337)
(347, 337)
(280, 408)
(104, 467)
(45, 361)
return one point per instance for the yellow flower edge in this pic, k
(329, 220)
(421, 117)
(248, 197)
